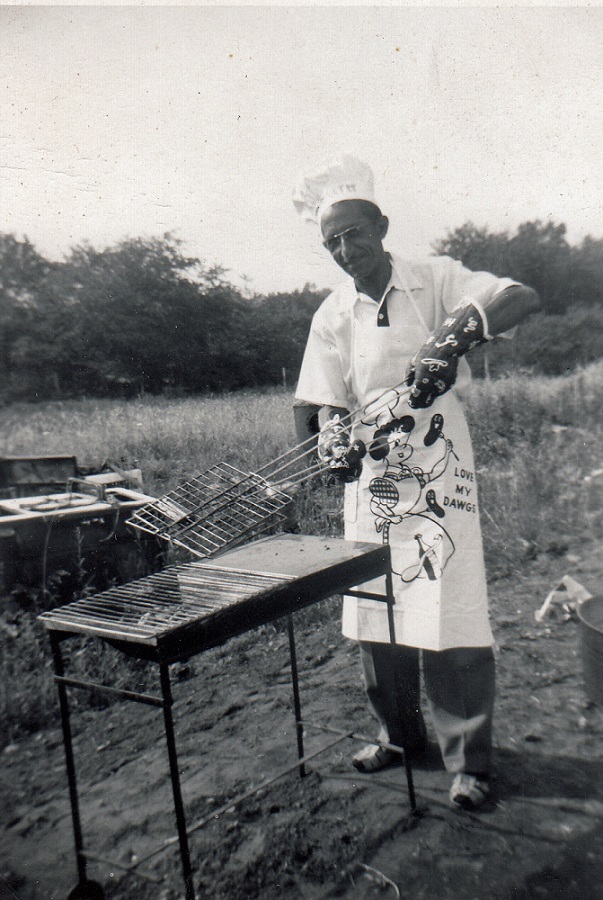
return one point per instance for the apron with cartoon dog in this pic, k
(417, 493)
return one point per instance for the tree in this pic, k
(277, 332)
(477, 248)
(586, 272)
(22, 269)
(568, 279)
(139, 314)
(551, 344)
(538, 254)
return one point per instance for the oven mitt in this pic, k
(432, 371)
(342, 456)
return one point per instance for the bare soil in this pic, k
(333, 833)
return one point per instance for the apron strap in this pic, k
(416, 307)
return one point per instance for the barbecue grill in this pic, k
(171, 615)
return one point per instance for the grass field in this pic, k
(168, 439)
(538, 455)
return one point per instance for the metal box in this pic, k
(24, 476)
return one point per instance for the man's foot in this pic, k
(469, 791)
(373, 758)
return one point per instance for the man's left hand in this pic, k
(432, 371)
(430, 377)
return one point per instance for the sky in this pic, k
(120, 122)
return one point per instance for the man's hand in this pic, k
(432, 371)
(343, 458)
(431, 377)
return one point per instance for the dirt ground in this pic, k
(334, 833)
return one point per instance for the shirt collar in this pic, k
(402, 276)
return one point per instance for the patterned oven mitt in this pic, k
(432, 371)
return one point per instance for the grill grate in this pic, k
(219, 508)
(160, 604)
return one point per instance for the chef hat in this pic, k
(345, 178)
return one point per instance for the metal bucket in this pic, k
(590, 614)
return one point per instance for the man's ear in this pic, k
(382, 227)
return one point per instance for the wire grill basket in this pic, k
(220, 508)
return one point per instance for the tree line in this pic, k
(143, 317)
(139, 317)
(569, 279)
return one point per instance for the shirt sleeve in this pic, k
(481, 288)
(321, 379)
(461, 284)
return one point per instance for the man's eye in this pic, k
(334, 243)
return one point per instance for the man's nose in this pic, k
(345, 247)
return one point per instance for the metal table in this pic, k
(172, 615)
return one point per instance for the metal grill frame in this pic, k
(284, 588)
(220, 508)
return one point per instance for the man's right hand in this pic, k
(342, 456)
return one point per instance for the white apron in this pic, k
(418, 493)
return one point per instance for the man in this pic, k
(389, 346)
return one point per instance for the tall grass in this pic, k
(170, 440)
(537, 443)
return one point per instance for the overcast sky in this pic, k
(132, 121)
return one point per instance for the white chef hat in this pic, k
(345, 178)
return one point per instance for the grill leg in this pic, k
(59, 669)
(296, 699)
(187, 871)
(389, 589)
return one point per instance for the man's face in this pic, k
(354, 239)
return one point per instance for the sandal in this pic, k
(373, 758)
(469, 791)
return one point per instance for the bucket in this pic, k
(590, 614)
